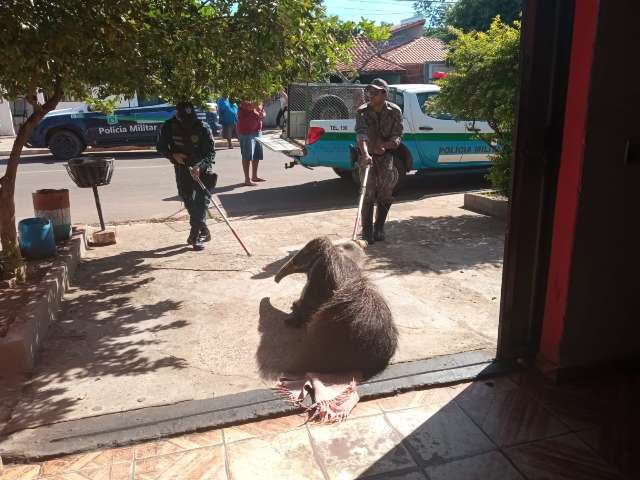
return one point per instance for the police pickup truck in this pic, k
(429, 143)
(69, 131)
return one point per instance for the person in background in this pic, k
(249, 127)
(228, 111)
(284, 101)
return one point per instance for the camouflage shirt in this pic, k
(378, 127)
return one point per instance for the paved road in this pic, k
(143, 187)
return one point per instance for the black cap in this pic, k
(379, 84)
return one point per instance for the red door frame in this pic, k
(569, 179)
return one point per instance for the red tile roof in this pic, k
(365, 58)
(404, 26)
(420, 50)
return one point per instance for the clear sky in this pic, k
(390, 11)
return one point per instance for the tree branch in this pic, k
(52, 103)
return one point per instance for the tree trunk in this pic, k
(8, 235)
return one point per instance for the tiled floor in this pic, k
(508, 429)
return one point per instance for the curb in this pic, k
(486, 205)
(134, 426)
(19, 348)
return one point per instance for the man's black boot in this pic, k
(381, 217)
(194, 238)
(205, 234)
(367, 223)
(193, 234)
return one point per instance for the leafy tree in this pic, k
(483, 85)
(465, 15)
(177, 49)
(468, 15)
(57, 47)
(434, 11)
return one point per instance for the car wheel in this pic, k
(65, 145)
(402, 174)
(343, 174)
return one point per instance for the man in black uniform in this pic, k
(188, 143)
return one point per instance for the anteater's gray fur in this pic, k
(348, 324)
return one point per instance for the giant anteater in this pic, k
(348, 324)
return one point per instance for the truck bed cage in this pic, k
(321, 101)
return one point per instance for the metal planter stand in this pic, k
(91, 172)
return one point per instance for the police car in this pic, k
(69, 131)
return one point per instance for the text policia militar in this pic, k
(118, 129)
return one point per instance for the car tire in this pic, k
(402, 174)
(329, 107)
(343, 174)
(65, 144)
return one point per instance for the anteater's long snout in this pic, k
(287, 269)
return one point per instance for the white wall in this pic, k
(6, 119)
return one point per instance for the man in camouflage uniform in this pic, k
(188, 143)
(378, 132)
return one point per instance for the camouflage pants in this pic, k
(383, 178)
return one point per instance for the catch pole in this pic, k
(363, 190)
(235, 234)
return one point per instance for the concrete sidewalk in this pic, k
(150, 322)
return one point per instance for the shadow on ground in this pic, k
(438, 244)
(503, 428)
(107, 340)
(336, 194)
(277, 341)
(50, 159)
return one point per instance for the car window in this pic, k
(151, 101)
(397, 98)
(423, 101)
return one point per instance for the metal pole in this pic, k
(235, 234)
(99, 207)
(363, 189)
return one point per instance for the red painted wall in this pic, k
(569, 179)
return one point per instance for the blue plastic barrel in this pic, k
(36, 238)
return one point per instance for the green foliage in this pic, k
(468, 15)
(68, 43)
(176, 49)
(465, 15)
(248, 53)
(483, 85)
(106, 105)
(434, 11)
